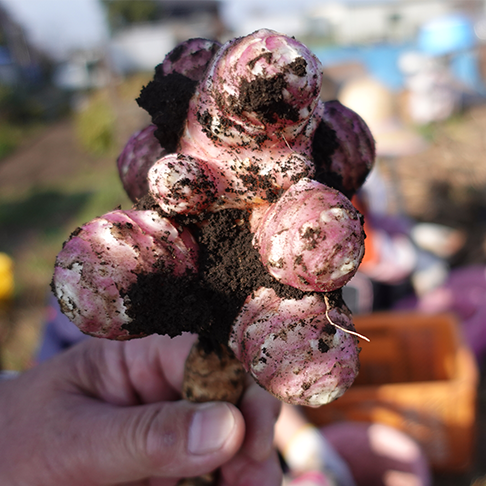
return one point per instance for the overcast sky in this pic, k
(60, 25)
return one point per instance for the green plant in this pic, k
(125, 12)
(10, 137)
(95, 125)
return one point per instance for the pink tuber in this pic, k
(354, 151)
(244, 204)
(139, 155)
(311, 238)
(103, 259)
(293, 349)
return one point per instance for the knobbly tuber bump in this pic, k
(100, 263)
(311, 238)
(136, 159)
(252, 234)
(293, 350)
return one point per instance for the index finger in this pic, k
(260, 411)
(155, 362)
(256, 463)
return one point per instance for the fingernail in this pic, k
(210, 427)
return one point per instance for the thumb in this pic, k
(169, 439)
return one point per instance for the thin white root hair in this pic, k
(357, 334)
(286, 143)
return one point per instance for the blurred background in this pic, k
(415, 70)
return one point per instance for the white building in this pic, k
(140, 47)
(358, 21)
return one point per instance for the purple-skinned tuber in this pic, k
(139, 155)
(311, 238)
(242, 222)
(292, 348)
(103, 259)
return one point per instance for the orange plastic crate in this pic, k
(418, 376)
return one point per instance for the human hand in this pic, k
(109, 412)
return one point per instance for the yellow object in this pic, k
(418, 376)
(6, 277)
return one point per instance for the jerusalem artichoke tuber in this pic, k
(250, 157)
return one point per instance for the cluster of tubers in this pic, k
(242, 229)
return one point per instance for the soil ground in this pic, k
(445, 184)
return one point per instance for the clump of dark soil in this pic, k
(264, 97)
(206, 302)
(166, 98)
